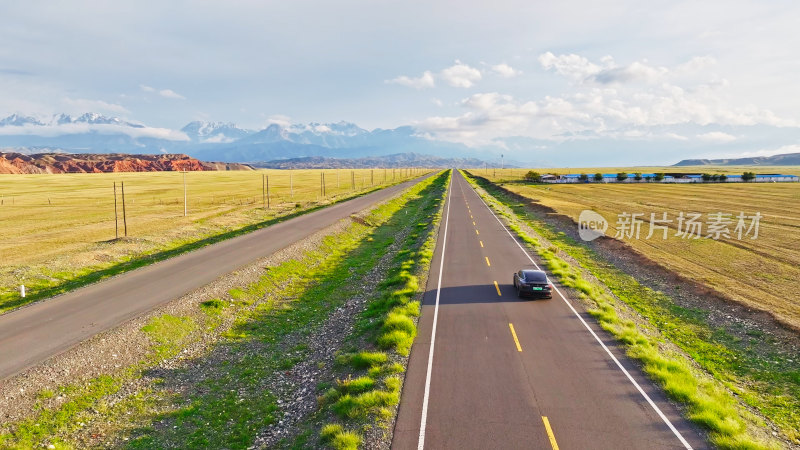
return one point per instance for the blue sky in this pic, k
(550, 82)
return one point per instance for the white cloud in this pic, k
(146, 88)
(506, 71)
(169, 93)
(219, 139)
(489, 115)
(607, 100)
(424, 81)
(437, 102)
(79, 128)
(460, 75)
(280, 120)
(571, 66)
(83, 105)
(716, 137)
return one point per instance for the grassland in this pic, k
(674, 340)
(61, 228)
(222, 399)
(519, 173)
(763, 273)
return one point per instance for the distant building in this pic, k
(668, 178)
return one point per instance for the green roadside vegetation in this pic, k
(53, 283)
(367, 390)
(221, 399)
(700, 366)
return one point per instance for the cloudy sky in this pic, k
(558, 83)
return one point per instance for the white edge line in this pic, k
(424, 418)
(614, 358)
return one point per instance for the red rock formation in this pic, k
(96, 163)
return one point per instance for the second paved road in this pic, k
(507, 373)
(34, 333)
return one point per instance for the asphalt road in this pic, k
(507, 373)
(34, 333)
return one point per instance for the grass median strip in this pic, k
(222, 397)
(388, 324)
(705, 393)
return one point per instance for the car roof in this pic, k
(538, 273)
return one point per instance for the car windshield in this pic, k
(535, 275)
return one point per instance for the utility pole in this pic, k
(184, 193)
(116, 220)
(353, 180)
(371, 177)
(502, 162)
(321, 183)
(124, 214)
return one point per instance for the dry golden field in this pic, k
(762, 272)
(55, 227)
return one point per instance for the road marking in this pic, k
(476, 232)
(487, 262)
(597, 338)
(550, 434)
(514, 334)
(473, 223)
(470, 216)
(481, 243)
(498, 289)
(424, 417)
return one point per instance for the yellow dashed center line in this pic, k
(476, 232)
(473, 222)
(487, 262)
(498, 289)
(519, 347)
(550, 434)
(481, 243)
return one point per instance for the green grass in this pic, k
(708, 403)
(227, 407)
(339, 439)
(388, 323)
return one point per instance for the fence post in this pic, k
(124, 214)
(116, 219)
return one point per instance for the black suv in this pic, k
(533, 283)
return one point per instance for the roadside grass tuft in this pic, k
(338, 438)
(708, 403)
(213, 307)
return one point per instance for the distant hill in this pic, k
(388, 161)
(789, 159)
(18, 163)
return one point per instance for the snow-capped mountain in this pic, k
(15, 120)
(217, 141)
(214, 132)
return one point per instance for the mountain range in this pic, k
(219, 141)
(787, 159)
(388, 161)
